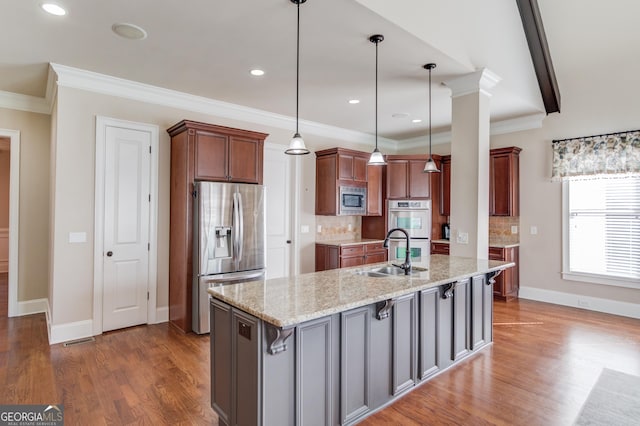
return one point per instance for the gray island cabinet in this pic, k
(332, 347)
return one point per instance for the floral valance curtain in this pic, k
(612, 154)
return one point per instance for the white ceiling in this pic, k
(207, 48)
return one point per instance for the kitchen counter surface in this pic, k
(491, 243)
(349, 242)
(285, 302)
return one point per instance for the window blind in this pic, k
(604, 226)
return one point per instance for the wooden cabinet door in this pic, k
(346, 262)
(360, 169)
(211, 156)
(397, 172)
(439, 248)
(375, 257)
(374, 191)
(499, 201)
(245, 160)
(445, 186)
(326, 186)
(327, 257)
(345, 167)
(419, 182)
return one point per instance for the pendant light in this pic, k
(430, 166)
(376, 158)
(296, 146)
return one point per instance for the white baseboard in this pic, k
(614, 307)
(162, 314)
(35, 306)
(70, 331)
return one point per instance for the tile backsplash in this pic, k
(338, 227)
(500, 229)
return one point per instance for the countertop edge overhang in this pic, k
(286, 302)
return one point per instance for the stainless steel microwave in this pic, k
(353, 200)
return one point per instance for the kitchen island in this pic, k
(332, 347)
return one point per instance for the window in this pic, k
(602, 230)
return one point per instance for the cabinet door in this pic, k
(397, 172)
(480, 335)
(321, 257)
(375, 257)
(326, 187)
(461, 320)
(428, 339)
(404, 343)
(360, 169)
(374, 190)
(445, 186)
(354, 362)
(211, 156)
(245, 160)
(419, 182)
(345, 167)
(346, 262)
(221, 359)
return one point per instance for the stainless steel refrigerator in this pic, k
(229, 240)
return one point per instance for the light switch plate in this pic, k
(463, 238)
(514, 229)
(534, 230)
(77, 237)
(304, 229)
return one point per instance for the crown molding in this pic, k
(24, 103)
(481, 80)
(527, 122)
(114, 86)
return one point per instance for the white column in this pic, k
(470, 128)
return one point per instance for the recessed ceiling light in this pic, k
(400, 115)
(54, 9)
(257, 72)
(416, 120)
(354, 101)
(129, 31)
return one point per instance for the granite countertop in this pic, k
(491, 243)
(350, 242)
(285, 302)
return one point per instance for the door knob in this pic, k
(109, 253)
(288, 241)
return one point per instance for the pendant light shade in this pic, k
(376, 158)
(430, 166)
(296, 146)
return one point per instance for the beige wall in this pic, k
(34, 200)
(73, 183)
(5, 162)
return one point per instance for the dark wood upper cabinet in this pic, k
(445, 186)
(201, 151)
(504, 182)
(405, 177)
(339, 166)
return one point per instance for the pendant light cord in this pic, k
(297, 66)
(377, 95)
(430, 113)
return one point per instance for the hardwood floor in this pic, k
(539, 371)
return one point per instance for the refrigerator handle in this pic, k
(240, 226)
(236, 223)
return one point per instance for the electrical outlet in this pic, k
(349, 227)
(463, 238)
(534, 230)
(319, 229)
(514, 229)
(583, 303)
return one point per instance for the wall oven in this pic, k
(414, 216)
(353, 200)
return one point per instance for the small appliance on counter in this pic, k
(446, 231)
(229, 240)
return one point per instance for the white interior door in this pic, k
(126, 227)
(277, 172)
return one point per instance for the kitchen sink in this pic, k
(388, 270)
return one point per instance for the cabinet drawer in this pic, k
(373, 247)
(346, 262)
(496, 253)
(439, 248)
(351, 250)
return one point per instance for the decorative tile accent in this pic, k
(500, 229)
(338, 228)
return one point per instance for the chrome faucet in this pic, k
(407, 258)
